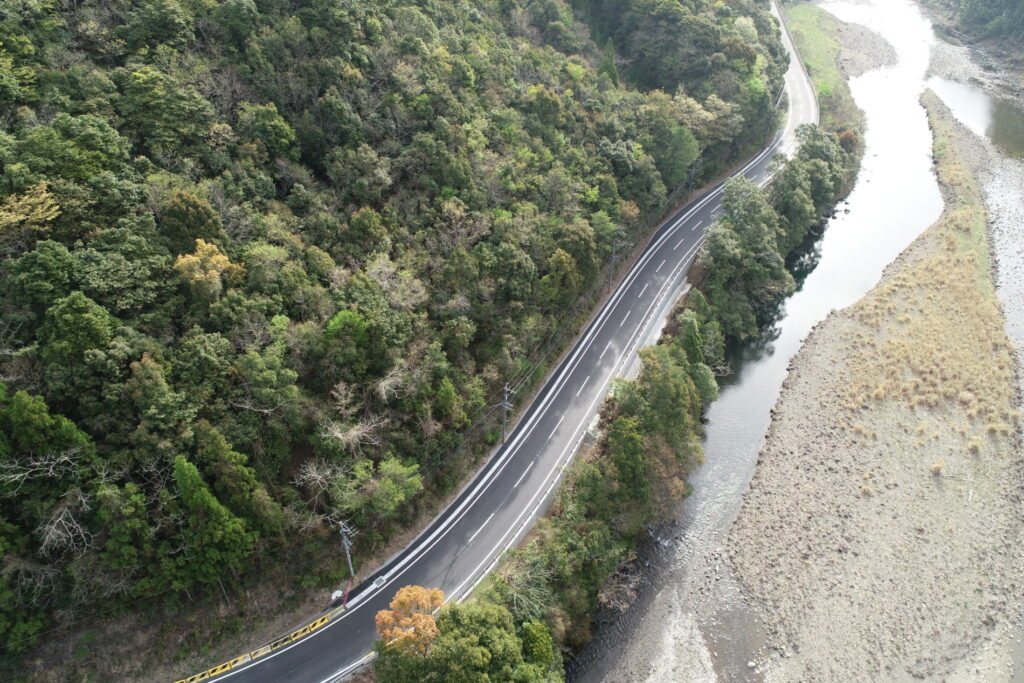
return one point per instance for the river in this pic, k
(690, 621)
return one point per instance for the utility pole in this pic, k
(346, 543)
(505, 405)
(346, 531)
(617, 242)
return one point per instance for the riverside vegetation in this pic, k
(1002, 20)
(264, 261)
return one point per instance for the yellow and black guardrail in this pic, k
(266, 649)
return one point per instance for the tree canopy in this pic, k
(265, 261)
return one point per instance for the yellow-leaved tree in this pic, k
(409, 624)
(24, 217)
(207, 271)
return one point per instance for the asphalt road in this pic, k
(499, 506)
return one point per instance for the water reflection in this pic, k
(1000, 120)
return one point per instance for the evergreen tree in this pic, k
(216, 541)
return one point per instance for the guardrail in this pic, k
(266, 649)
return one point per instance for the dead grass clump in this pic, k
(931, 336)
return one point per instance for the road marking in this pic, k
(582, 385)
(699, 223)
(678, 243)
(659, 266)
(480, 529)
(520, 479)
(643, 290)
(556, 427)
(606, 347)
(626, 317)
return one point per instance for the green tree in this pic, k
(185, 218)
(450, 403)
(167, 117)
(665, 401)
(477, 642)
(72, 147)
(263, 125)
(746, 272)
(158, 22)
(158, 419)
(21, 624)
(74, 325)
(361, 171)
(626, 450)
(704, 381)
(129, 551)
(234, 482)
(790, 195)
(125, 272)
(44, 275)
(561, 284)
(538, 646)
(374, 493)
(607, 64)
(690, 336)
(217, 540)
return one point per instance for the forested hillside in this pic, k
(262, 260)
(989, 18)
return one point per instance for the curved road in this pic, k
(499, 506)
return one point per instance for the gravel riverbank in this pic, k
(862, 50)
(882, 535)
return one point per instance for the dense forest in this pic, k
(988, 18)
(264, 260)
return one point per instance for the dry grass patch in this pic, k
(933, 335)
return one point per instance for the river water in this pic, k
(999, 119)
(690, 622)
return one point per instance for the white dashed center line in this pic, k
(556, 427)
(521, 476)
(480, 529)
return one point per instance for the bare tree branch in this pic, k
(353, 437)
(14, 473)
(64, 532)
